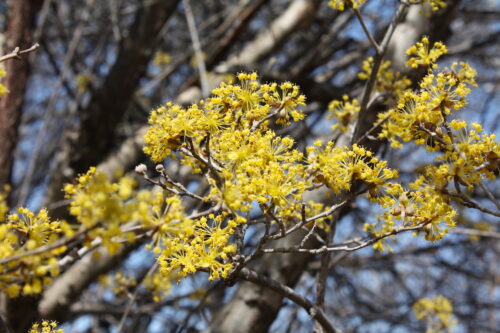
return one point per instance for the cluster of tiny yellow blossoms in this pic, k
(186, 246)
(387, 80)
(423, 207)
(122, 284)
(421, 55)
(82, 82)
(229, 135)
(206, 248)
(154, 283)
(105, 207)
(339, 167)
(257, 166)
(20, 234)
(437, 312)
(157, 285)
(232, 107)
(45, 327)
(344, 111)
(341, 4)
(181, 243)
(420, 115)
(3, 89)
(4, 208)
(434, 4)
(161, 59)
(471, 158)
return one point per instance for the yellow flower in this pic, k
(45, 327)
(3, 89)
(437, 313)
(344, 111)
(421, 55)
(387, 80)
(340, 4)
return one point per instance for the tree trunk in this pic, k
(21, 15)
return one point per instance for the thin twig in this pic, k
(180, 192)
(48, 247)
(266, 282)
(16, 54)
(182, 188)
(474, 232)
(380, 55)
(196, 47)
(367, 32)
(466, 201)
(346, 248)
(374, 127)
(325, 267)
(134, 296)
(296, 227)
(489, 194)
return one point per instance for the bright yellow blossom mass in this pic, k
(231, 140)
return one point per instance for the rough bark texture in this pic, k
(21, 19)
(21, 14)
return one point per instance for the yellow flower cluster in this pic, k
(182, 244)
(3, 89)
(339, 167)
(96, 201)
(437, 4)
(158, 285)
(341, 4)
(22, 232)
(422, 206)
(434, 4)
(344, 111)
(82, 82)
(155, 283)
(185, 246)
(421, 55)
(437, 313)
(387, 80)
(232, 107)
(205, 246)
(420, 115)
(258, 167)
(45, 327)
(469, 159)
(4, 208)
(123, 284)
(161, 59)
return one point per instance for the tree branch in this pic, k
(285, 291)
(16, 54)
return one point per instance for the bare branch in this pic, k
(315, 312)
(196, 47)
(16, 54)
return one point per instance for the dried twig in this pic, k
(16, 54)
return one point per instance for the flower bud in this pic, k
(159, 168)
(141, 169)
